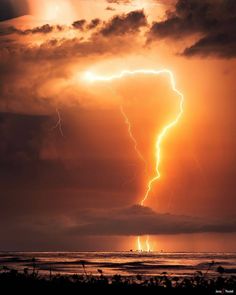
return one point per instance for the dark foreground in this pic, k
(31, 281)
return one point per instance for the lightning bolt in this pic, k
(58, 124)
(127, 122)
(160, 137)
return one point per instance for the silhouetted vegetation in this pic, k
(30, 280)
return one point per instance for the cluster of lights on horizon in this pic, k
(92, 77)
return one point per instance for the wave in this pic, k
(121, 262)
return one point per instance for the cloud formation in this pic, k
(125, 24)
(138, 220)
(119, 1)
(214, 21)
(55, 53)
(94, 23)
(79, 24)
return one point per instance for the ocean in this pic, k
(123, 263)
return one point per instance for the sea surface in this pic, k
(123, 263)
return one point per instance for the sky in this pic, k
(70, 178)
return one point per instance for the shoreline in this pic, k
(32, 280)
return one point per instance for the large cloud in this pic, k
(215, 21)
(121, 28)
(138, 220)
(30, 65)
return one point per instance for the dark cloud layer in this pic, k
(79, 24)
(94, 23)
(120, 28)
(116, 26)
(28, 143)
(215, 21)
(137, 220)
(220, 44)
(123, 24)
(212, 23)
(10, 9)
(45, 29)
(21, 137)
(109, 8)
(119, 1)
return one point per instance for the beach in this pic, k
(208, 273)
(123, 263)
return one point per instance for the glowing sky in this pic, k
(78, 191)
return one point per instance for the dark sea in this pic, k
(123, 263)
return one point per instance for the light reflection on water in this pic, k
(124, 263)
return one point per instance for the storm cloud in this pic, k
(119, 1)
(126, 23)
(213, 21)
(139, 220)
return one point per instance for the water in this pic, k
(123, 263)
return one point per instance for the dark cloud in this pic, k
(45, 29)
(63, 49)
(94, 23)
(29, 141)
(124, 24)
(117, 26)
(221, 45)
(8, 30)
(21, 137)
(119, 1)
(10, 9)
(79, 24)
(110, 8)
(215, 21)
(138, 220)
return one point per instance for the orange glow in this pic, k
(161, 136)
(93, 77)
(53, 11)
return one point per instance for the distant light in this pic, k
(89, 76)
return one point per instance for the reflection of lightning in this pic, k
(58, 124)
(139, 244)
(127, 122)
(92, 77)
(147, 244)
